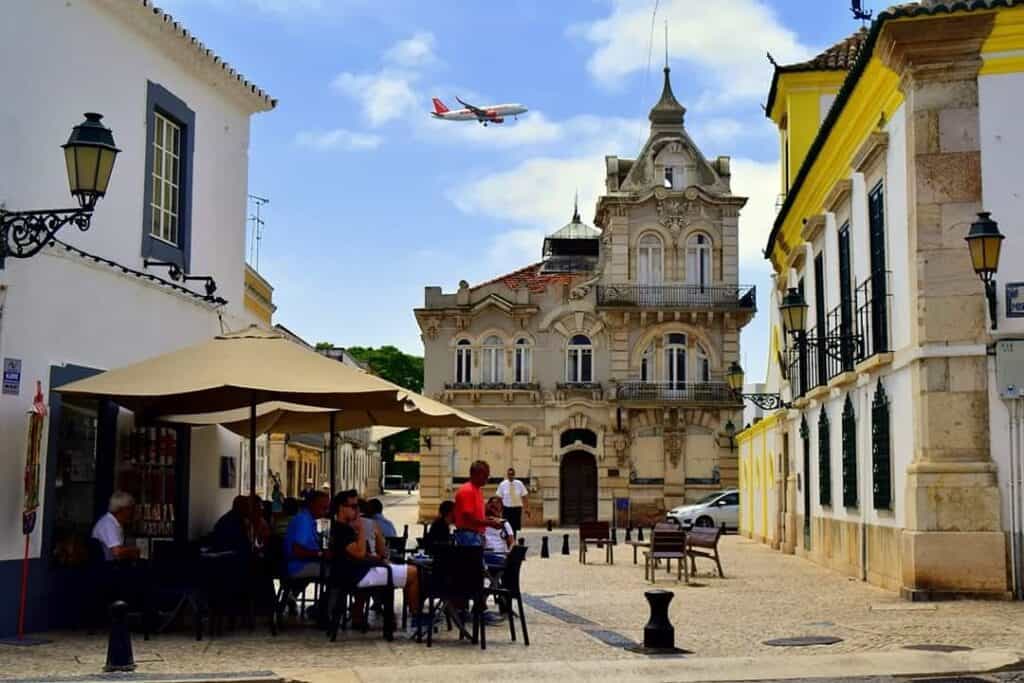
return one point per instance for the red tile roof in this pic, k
(839, 57)
(531, 278)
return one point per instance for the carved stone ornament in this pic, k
(671, 214)
(620, 444)
(674, 445)
(431, 327)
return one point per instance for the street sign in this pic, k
(1015, 300)
(12, 376)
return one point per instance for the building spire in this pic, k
(668, 111)
(576, 208)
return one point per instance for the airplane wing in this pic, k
(476, 110)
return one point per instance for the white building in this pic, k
(181, 116)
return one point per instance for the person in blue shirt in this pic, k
(383, 523)
(302, 543)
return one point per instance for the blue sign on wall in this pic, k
(1015, 300)
(12, 376)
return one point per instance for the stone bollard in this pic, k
(119, 645)
(640, 534)
(522, 541)
(659, 633)
(544, 548)
(723, 529)
(405, 531)
(565, 544)
(629, 534)
(549, 525)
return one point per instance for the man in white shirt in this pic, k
(513, 497)
(109, 529)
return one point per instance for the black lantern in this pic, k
(794, 311)
(89, 154)
(985, 243)
(735, 377)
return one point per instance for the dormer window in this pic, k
(669, 177)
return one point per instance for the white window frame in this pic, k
(698, 260)
(261, 468)
(703, 365)
(493, 370)
(575, 353)
(463, 362)
(165, 202)
(522, 369)
(650, 259)
(673, 362)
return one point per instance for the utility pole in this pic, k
(257, 230)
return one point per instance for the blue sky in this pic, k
(371, 200)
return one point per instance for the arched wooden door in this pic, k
(579, 488)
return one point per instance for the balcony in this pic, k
(716, 393)
(853, 334)
(687, 297)
(492, 386)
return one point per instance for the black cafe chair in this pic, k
(457, 575)
(509, 592)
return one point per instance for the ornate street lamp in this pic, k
(89, 155)
(985, 242)
(794, 311)
(734, 377)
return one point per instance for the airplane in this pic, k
(492, 114)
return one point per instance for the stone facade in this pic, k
(602, 367)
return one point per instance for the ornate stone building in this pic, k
(602, 366)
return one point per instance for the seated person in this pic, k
(497, 542)
(233, 531)
(439, 532)
(375, 543)
(302, 542)
(355, 567)
(109, 529)
(289, 508)
(382, 522)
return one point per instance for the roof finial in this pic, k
(576, 207)
(666, 45)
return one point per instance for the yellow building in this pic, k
(880, 466)
(259, 296)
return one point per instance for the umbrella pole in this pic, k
(333, 449)
(252, 448)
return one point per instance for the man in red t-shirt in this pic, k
(470, 518)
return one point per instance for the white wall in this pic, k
(59, 309)
(898, 259)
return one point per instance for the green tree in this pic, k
(404, 370)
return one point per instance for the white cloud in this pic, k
(724, 40)
(383, 96)
(339, 138)
(759, 181)
(417, 51)
(515, 248)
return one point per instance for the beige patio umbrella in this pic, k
(252, 367)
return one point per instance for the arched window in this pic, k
(650, 260)
(463, 362)
(522, 361)
(494, 362)
(675, 359)
(579, 360)
(703, 365)
(647, 365)
(698, 260)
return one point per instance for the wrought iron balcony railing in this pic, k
(676, 392)
(872, 297)
(678, 296)
(578, 386)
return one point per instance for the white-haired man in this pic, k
(109, 530)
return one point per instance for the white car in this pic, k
(722, 507)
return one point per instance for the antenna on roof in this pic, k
(857, 8)
(257, 231)
(772, 60)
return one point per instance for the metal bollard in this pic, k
(119, 645)
(629, 534)
(405, 531)
(565, 544)
(544, 548)
(615, 536)
(659, 633)
(549, 525)
(723, 529)
(522, 541)
(640, 534)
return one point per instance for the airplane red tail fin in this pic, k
(439, 107)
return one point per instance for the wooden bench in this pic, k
(667, 543)
(596, 533)
(703, 542)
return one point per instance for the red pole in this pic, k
(24, 592)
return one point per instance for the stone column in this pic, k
(953, 542)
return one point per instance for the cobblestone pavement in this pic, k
(588, 612)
